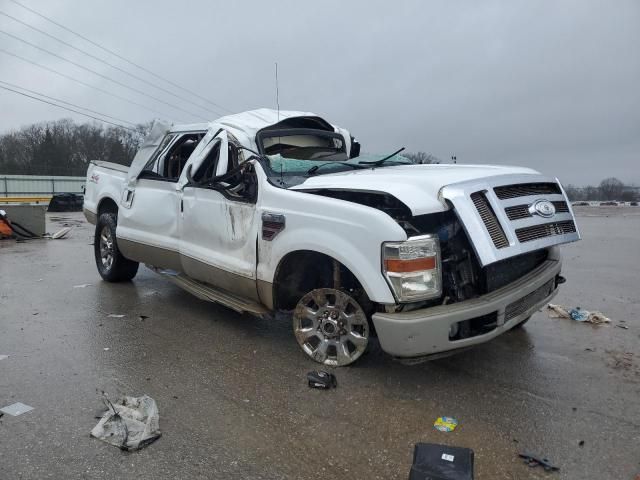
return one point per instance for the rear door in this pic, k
(219, 227)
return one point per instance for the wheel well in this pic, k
(107, 205)
(304, 270)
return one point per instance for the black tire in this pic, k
(521, 324)
(117, 268)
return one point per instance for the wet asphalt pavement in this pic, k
(232, 392)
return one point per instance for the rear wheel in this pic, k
(112, 265)
(331, 327)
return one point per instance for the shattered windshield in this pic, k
(288, 172)
(301, 167)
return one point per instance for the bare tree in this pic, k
(574, 193)
(422, 158)
(611, 189)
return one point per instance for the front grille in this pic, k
(525, 303)
(526, 189)
(489, 219)
(517, 212)
(535, 232)
(499, 207)
(522, 211)
(499, 274)
(561, 207)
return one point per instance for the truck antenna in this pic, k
(278, 107)
(277, 93)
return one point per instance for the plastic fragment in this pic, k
(130, 423)
(445, 424)
(533, 460)
(16, 409)
(322, 380)
(62, 233)
(577, 314)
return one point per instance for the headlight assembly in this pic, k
(412, 268)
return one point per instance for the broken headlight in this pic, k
(412, 268)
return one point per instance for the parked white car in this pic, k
(269, 211)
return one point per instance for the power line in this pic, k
(44, 67)
(69, 109)
(120, 56)
(67, 103)
(100, 74)
(107, 63)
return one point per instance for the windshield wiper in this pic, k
(377, 163)
(315, 168)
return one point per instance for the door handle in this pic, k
(181, 206)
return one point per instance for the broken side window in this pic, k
(207, 170)
(172, 156)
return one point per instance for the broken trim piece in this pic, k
(272, 224)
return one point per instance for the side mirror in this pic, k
(355, 148)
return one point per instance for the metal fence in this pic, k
(38, 185)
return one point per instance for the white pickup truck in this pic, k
(269, 211)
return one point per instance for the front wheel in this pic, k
(112, 265)
(331, 327)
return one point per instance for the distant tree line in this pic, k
(64, 147)
(609, 189)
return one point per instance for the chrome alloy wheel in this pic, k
(107, 250)
(331, 327)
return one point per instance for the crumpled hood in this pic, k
(417, 186)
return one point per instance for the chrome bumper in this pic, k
(426, 331)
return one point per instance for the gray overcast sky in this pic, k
(550, 84)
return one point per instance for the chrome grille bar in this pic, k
(535, 232)
(528, 301)
(524, 189)
(489, 219)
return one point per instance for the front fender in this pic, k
(348, 232)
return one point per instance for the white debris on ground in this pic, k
(16, 409)
(577, 314)
(131, 423)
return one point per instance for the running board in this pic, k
(211, 294)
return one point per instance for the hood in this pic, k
(417, 186)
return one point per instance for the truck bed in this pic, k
(110, 166)
(105, 180)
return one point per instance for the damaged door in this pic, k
(218, 228)
(148, 220)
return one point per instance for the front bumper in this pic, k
(426, 331)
